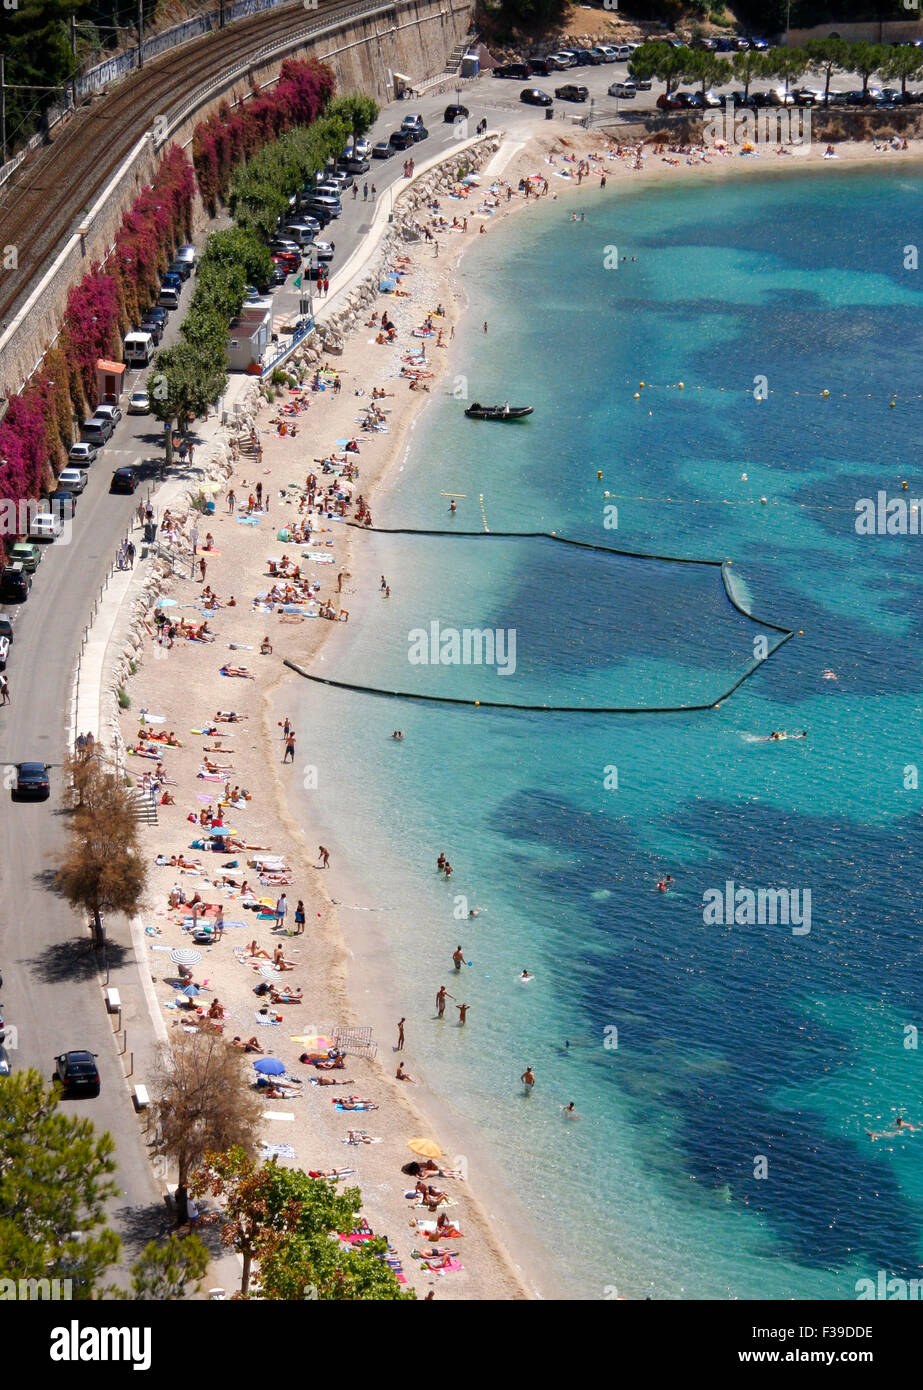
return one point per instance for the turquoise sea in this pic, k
(724, 1075)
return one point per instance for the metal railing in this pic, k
(305, 331)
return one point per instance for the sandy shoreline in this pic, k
(185, 686)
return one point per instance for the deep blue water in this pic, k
(740, 1049)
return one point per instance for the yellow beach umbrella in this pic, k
(426, 1148)
(316, 1041)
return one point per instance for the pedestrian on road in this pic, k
(289, 748)
(148, 512)
(4, 690)
(365, 192)
(130, 551)
(355, 191)
(374, 193)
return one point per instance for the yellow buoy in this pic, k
(801, 632)
(477, 702)
(904, 485)
(893, 404)
(826, 393)
(637, 396)
(680, 385)
(599, 474)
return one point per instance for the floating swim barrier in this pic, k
(784, 633)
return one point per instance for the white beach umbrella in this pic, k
(185, 955)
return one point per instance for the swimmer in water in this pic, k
(525, 978)
(900, 1127)
(458, 958)
(528, 1080)
(666, 883)
(570, 1112)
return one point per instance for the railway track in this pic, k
(42, 201)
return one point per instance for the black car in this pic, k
(532, 96)
(571, 93)
(153, 327)
(77, 1073)
(538, 67)
(401, 139)
(455, 113)
(15, 584)
(383, 150)
(519, 70)
(6, 629)
(156, 315)
(181, 268)
(124, 480)
(583, 57)
(31, 783)
(278, 276)
(419, 133)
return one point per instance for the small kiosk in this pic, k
(109, 381)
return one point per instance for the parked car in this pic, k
(623, 89)
(168, 297)
(360, 149)
(761, 45)
(710, 45)
(327, 204)
(172, 281)
(286, 263)
(600, 54)
(383, 150)
(712, 101)
(357, 164)
(138, 348)
(401, 140)
(643, 84)
(562, 60)
(582, 57)
(6, 630)
(532, 96)
(189, 255)
(139, 403)
(778, 96)
(26, 554)
(108, 412)
(419, 133)
(77, 1073)
(6, 1065)
(181, 268)
(337, 180)
(455, 113)
(81, 454)
(14, 584)
(63, 501)
(46, 526)
(538, 67)
(124, 480)
(4, 653)
(97, 430)
(571, 92)
(152, 327)
(410, 122)
(322, 250)
(514, 70)
(31, 783)
(610, 54)
(74, 479)
(675, 101)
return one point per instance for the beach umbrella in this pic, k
(185, 955)
(211, 487)
(166, 603)
(269, 1066)
(426, 1148)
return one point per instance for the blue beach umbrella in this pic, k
(166, 603)
(191, 990)
(269, 1066)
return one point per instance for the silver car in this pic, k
(81, 453)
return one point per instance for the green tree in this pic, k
(55, 1180)
(828, 56)
(238, 246)
(185, 382)
(747, 67)
(283, 1221)
(660, 60)
(708, 69)
(866, 59)
(169, 1270)
(900, 65)
(788, 64)
(360, 110)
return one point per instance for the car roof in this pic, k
(28, 768)
(80, 1055)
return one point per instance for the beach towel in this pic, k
(364, 1105)
(266, 1020)
(278, 1150)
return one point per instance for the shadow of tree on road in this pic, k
(75, 959)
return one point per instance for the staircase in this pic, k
(145, 806)
(453, 62)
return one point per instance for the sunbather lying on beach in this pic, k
(229, 716)
(236, 671)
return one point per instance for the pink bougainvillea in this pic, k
(232, 134)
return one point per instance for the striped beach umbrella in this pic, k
(185, 955)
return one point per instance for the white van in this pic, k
(138, 349)
(46, 526)
(302, 233)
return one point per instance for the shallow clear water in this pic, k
(697, 1055)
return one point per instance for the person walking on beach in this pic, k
(281, 911)
(485, 325)
(325, 857)
(259, 494)
(232, 502)
(289, 748)
(528, 1080)
(299, 919)
(400, 1034)
(202, 569)
(442, 995)
(458, 958)
(286, 729)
